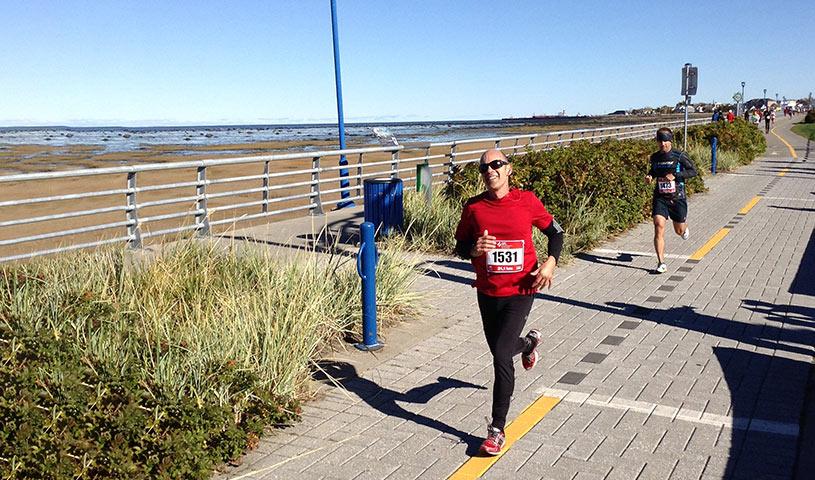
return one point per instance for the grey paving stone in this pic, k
(594, 357)
(612, 340)
(628, 325)
(572, 378)
(626, 471)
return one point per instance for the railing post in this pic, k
(451, 165)
(315, 187)
(359, 176)
(515, 147)
(395, 164)
(201, 213)
(265, 207)
(133, 230)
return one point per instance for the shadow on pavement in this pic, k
(766, 387)
(793, 208)
(384, 399)
(615, 262)
(804, 281)
(755, 450)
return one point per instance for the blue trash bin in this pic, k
(383, 204)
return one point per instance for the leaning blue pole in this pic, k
(344, 184)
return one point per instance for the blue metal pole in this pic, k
(713, 143)
(343, 161)
(366, 268)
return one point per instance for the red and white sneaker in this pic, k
(530, 359)
(494, 442)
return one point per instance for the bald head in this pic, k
(493, 154)
(495, 171)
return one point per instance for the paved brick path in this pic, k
(699, 373)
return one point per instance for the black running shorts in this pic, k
(675, 209)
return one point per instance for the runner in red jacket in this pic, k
(495, 233)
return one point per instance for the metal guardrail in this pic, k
(282, 184)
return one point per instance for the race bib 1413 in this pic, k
(666, 186)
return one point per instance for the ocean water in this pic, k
(124, 139)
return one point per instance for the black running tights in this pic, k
(504, 319)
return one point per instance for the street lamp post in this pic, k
(766, 107)
(344, 184)
(741, 104)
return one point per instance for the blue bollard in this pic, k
(366, 268)
(713, 142)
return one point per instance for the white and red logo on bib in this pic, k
(507, 257)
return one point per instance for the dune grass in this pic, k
(221, 338)
(726, 161)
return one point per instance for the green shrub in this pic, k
(810, 117)
(592, 189)
(610, 173)
(164, 368)
(741, 137)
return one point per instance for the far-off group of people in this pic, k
(495, 234)
(754, 115)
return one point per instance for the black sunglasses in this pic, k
(495, 165)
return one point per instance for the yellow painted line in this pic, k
(477, 466)
(792, 150)
(752, 203)
(783, 172)
(706, 248)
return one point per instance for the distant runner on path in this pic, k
(495, 233)
(670, 168)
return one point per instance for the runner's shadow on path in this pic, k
(615, 262)
(385, 400)
(793, 208)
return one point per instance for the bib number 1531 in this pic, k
(507, 257)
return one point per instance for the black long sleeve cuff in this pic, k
(554, 233)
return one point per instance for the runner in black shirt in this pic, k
(670, 168)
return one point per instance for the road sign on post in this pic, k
(690, 74)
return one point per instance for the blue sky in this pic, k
(206, 62)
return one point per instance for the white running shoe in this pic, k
(662, 268)
(686, 233)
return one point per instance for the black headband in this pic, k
(664, 136)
